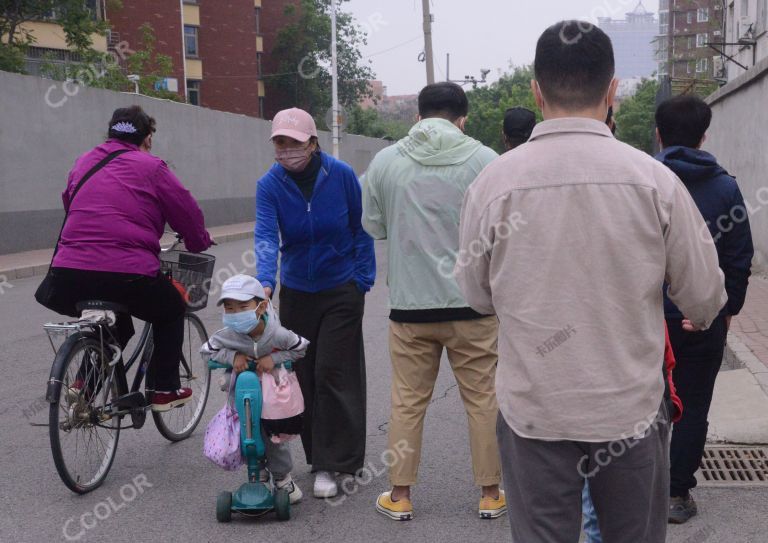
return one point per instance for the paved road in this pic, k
(174, 490)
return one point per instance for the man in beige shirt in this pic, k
(568, 240)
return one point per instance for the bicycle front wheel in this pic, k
(179, 423)
(83, 436)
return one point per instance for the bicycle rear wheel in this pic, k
(179, 423)
(83, 437)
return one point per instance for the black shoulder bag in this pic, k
(46, 294)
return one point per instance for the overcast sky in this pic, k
(477, 33)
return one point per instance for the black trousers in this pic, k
(151, 299)
(332, 375)
(698, 356)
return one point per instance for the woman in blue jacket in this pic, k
(312, 203)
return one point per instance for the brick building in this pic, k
(217, 47)
(686, 28)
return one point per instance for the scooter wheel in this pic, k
(224, 507)
(282, 504)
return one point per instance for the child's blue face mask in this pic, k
(244, 322)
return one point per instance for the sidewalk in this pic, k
(31, 263)
(750, 327)
(739, 412)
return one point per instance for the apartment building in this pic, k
(50, 45)
(687, 29)
(216, 48)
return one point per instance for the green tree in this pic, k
(369, 122)
(75, 17)
(488, 104)
(635, 117)
(151, 66)
(303, 47)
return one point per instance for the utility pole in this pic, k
(428, 42)
(334, 83)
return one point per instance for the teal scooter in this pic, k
(253, 497)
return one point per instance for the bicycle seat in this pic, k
(100, 305)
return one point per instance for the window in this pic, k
(663, 23)
(691, 42)
(689, 17)
(261, 107)
(689, 67)
(702, 15)
(258, 63)
(190, 40)
(193, 92)
(702, 65)
(664, 5)
(258, 20)
(701, 40)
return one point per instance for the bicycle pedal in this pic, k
(138, 417)
(132, 400)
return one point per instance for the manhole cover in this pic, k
(734, 466)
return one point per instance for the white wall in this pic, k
(738, 137)
(218, 156)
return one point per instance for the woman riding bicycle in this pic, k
(110, 244)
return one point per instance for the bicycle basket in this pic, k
(191, 273)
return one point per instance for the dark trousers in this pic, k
(332, 375)
(628, 481)
(698, 356)
(151, 299)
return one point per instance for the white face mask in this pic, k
(294, 159)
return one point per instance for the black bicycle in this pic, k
(88, 387)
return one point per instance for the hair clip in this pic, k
(124, 128)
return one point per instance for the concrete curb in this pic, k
(35, 263)
(747, 359)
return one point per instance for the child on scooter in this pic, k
(253, 332)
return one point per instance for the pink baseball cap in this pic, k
(294, 123)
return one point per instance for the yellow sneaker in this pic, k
(492, 507)
(399, 510)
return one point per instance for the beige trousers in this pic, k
(415, 350)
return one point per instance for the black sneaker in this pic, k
(681, 509)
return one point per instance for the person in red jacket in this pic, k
(673, 400)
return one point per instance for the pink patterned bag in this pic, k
(222, 437)
(283, 405)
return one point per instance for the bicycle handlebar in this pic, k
(213, 365)
(179, 240)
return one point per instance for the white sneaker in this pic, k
(325, 485)
(294, 492)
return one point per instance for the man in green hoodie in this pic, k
(412, 195)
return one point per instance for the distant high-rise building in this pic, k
(633, 42)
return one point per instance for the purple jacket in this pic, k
(116, 220)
